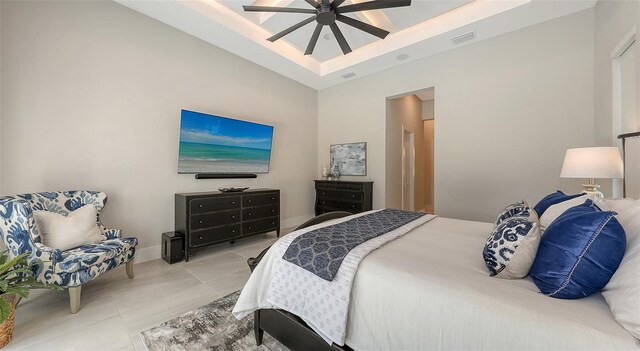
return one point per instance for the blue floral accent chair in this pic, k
(68, 269)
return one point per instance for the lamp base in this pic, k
(591, 188)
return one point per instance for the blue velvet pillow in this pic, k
(552, 199)
(579, 252)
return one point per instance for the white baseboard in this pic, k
(150, 253)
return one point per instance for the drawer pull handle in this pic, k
(324, 202)
(233, 230)
(273, 222)
(233, 217)
(354, 196)
(233, 202)
(273, 211)
(249, 214)
(273, 198)
(324, 193)
(249, 227)
(200, 237)
(200, 206)
(249, 200)
(200, 222)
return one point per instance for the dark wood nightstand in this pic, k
(342, 195)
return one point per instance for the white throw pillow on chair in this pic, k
(66, 232)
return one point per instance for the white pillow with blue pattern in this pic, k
(520, 208)
(512, 246)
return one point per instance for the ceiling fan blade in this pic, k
(250, 8)
(336, 3)
(374, 5)
(373, 30)
(312, 3)
(292, 28)
(340, 38)
(314, 40)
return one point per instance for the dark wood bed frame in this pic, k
(287, 328)
(292, 331)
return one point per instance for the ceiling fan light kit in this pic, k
(326, 13)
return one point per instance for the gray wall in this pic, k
(92, 93)
(613, 20)
(495, 141)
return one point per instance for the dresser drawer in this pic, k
(202, 205)
(252, 213)
(338, 205)
(325, 185)
(343, 186)
(261, 225)
(260, 199)
(212, 235)
(214, 219)
(340, 195)
(329, 206)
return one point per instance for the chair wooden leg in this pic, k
(130, 269)
(74, 298)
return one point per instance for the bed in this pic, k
(429, 289)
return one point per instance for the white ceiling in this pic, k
(423, 29)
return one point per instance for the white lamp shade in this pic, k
(592, 162)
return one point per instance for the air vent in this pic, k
(348, 75)
(463, 37)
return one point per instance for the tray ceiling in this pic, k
(420, 30)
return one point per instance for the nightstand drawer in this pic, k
(260, 200)
(252, 213)
(325, 185)
(207, 236)
(260, 225)
(355, 187)
(214, 204)
(214, 219)
(340, 195)
(339, 205)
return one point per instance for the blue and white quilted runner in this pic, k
(322, 251)
(324, 304)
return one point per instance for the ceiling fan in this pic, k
(326, 13)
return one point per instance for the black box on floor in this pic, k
(172, 247)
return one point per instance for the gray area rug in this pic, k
(210, 327)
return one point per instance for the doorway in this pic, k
(409, 165)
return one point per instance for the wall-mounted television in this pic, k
(215, 144)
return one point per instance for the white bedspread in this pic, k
(430, 290)
(322, 304)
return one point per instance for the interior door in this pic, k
(408, 169)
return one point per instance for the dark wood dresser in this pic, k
(214, 217)
(342, 195)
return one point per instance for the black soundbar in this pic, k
(225, 175)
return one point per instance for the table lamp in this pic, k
(591, 163)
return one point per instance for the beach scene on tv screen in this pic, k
(213, 144)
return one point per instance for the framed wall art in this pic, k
(351, 159)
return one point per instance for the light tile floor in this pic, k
(116, 309)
